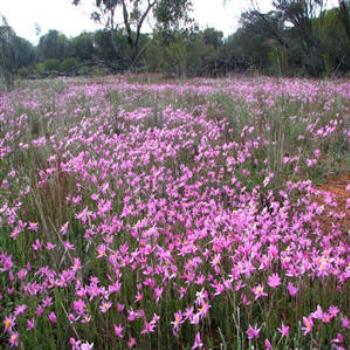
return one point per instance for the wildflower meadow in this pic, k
(149, 214)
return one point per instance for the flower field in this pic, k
(164, 215)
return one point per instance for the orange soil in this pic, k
(336, 185)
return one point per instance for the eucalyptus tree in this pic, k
(344, 12)
(7, 53)
(134, 13)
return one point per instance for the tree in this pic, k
(301, 15)
(335, 41)
(134, 14)
(25, 52)
(192, 53)
(82, 46)
(344, 14)
(15, 53)
(213, 37)
(7, 53)
(252, 43)
(53, 45)
(173, 16)
(120, 59)
(290, 33)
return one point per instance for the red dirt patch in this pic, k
(334, 196)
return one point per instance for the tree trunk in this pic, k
(344, 12)
(9, 80)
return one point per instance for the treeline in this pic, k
(181, 53)
(296, 38)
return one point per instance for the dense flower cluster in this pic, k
(129, 225)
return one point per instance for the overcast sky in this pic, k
(24, 15)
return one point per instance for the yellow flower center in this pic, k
(7, 323)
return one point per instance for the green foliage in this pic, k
(52, 65)
(173, 14)
(168, 15)
(68, 65)
(15, 53)
(53, 45)
(191, 54)
(82, 46)
(25, 52)
(296, 38)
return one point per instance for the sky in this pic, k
(25, 16)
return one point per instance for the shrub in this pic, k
(68, 65)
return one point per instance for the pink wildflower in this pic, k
(197, 342)
(30, 324)
(14, 340)
(177, 322)
(148, 328)
(274, 281)
(259, 292)
(345, 322)
(52, 317)
(118, 331)
(339, 339)
(292, 289)
(9, 323)
(253, 332)
(79, 307)
(86, 346)
(267, 344)
(284, 330)
(204, 309)
(318, 314)
(333, 311)
(132, 343)
(308, 325)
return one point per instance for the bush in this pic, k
(39, 68)
(68, 65)
(43, 69)
(51, 65)
(25, 72)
